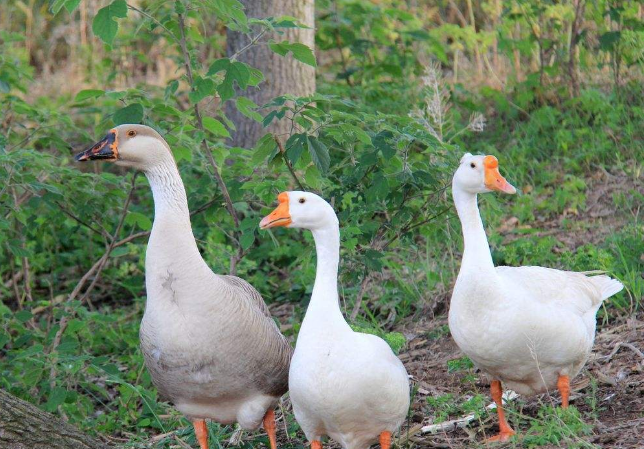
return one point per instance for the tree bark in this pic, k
(282, 74)
(25, 426)
(575, 34)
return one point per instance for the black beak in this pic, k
(106, 149)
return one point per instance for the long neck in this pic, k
(325, 304)
(169, 194)
(171, 236)
(476, 252)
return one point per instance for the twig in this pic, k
(363, 287)
(625, 345)
(252, 42)
(59, 334)
(102, 233)
(112, 241)
(25, 260)
(15, 278)
(182, 443)
(143, 13)
(450, 426)
(28, 138)
(287, 162)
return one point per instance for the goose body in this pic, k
(530, 327)
(208, 340)
(344, 384)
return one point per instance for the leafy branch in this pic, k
(287, 162)
(206, 146)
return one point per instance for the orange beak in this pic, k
(493, 179)
(281, 216)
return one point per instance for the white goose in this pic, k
(209, 341)
(344, 384)
(531, 328)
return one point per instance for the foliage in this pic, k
(556, 426)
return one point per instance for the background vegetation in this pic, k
(553, 88)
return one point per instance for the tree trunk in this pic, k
(575, 34)
(25, 426)
(283, 74)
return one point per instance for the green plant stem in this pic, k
(143, 13)
(287, 162)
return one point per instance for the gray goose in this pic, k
(209, 341)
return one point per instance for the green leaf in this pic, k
(238, 71)
(232, 12)
(247, 239)
(303, 54)
(120, 251)
(104, 25)
(215, 126)
(132, 113)
(263, 148)
(608, 40)
(202, 88)
(279, 48)
(312, 177)
(181, 154)
(372, 259)
(56, 5)
(218, 66)
(300, 51)
(23, 316)
(145, 422)
(139, 219)
(246, 107)
(319, 154)
(74, 326)
(164, 109)
(71, 5)
(88, 93)
(295, 147)
(256, 76)
(56, 397)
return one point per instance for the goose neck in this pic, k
(324, 306)
(168, 191)
(476, 251)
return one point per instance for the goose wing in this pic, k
(569, 289)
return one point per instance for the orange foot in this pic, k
(501, 437)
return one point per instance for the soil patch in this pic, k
(609, 392)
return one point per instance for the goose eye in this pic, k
(473, 165)
(302, 201)
(131, 133)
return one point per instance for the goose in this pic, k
(530, 328)
(343, 384)
(208, 340)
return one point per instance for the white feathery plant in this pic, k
(435, 114)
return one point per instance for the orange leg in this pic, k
(316, 444)
(201, 432)
(385, 440)
(269, 427)
(563, 384)
(505, 431)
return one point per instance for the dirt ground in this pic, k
(613, 377)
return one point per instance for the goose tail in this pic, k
(607, 286)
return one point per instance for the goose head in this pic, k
(480, 174)
(136, 146)
(300, 210)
